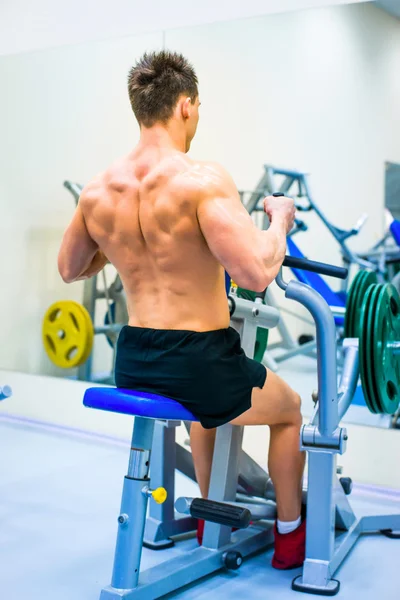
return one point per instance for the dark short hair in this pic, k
(155, 84)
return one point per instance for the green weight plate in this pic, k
(357, 302)
(387, 333)
(363, 352)
(349, 325)
(370, 344)
(370, 278)
(348, 329)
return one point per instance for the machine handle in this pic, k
(74, 188)
(311, 265)
(360, 224)
(315, 267)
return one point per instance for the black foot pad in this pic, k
(391, 534)
(330, 590)
(163, 545)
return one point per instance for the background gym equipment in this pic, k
(380, 348)
(5, 392)
(323, 439)
(380, 259)
(355, 298)
(383, 259)
(67, 334)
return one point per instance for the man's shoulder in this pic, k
(105, 181)
(204, 177)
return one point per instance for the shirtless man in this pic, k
(170, 225)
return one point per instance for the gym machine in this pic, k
(332, 526)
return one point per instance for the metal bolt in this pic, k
(345, 437)
(123, 519)
(255, 312)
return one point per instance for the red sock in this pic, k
(290, 548)
(200, 530)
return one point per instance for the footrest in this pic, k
(219, 512)
(330, 589)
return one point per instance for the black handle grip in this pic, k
(219, 512)
(315, 267)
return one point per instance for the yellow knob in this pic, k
(159, 495)
(233, 284)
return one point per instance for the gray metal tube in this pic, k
(261, 314)
(348, 383)
(326, 348)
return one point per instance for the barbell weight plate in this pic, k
(67, 333)
(387, 362)
(363, 351)
(350, 304)
(355, 302)
(369, 278)
(369, 348)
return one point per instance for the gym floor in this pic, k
(60, 494)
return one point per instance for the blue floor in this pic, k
(59, 499)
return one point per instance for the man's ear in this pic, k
(187, 108)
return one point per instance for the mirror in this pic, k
(314, 90)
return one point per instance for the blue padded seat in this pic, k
(138, 404)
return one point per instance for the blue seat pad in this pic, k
(139, 404)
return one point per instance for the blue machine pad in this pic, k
(140, 404)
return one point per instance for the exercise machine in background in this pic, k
(381, 258)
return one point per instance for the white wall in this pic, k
(26, 25)
(316, 89)
(64, 114)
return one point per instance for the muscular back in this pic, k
(143, 214)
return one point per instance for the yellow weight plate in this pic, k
(67, 333)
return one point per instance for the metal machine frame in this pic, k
(327, 504)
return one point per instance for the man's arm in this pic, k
(251, 257)
(79, 256)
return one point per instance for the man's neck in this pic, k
(163, 137)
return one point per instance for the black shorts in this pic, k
(206, 372)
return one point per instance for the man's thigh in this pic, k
(274, 404)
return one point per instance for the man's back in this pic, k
(142, 213)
